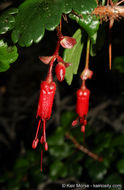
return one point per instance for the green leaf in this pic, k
(22, 163)
(73, 56)
(109, 155)
(37, 15)
(8, 55)
(75, 167)
(7, 20)
(61, 151)
(98, 41)
(118, 141)
(57, 138)
(104, 140)
(118, 64)
(96, 170)
(89, 23)
(120, 166)
(58, 169)
(67, 118)
(113, 179)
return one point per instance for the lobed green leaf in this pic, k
(89, 23)
(7, 20)
(37, 15)
(8, 55)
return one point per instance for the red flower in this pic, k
(82, 107)
(60, 71)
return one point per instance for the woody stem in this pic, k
(118, 3)
(83, 149)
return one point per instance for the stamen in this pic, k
(44, 130)
(38, 129)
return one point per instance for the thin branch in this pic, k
(118, 3)
(107, 12)
(83, 149)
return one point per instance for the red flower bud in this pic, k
(47, 93)
(68, 42)
(60, 71)
(82, 102)
(86, 74)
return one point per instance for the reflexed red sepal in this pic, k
(45, 59)
(68, 42)
(86, 74)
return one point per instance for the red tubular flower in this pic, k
(47, 93)
(60, 71)
(67, 42)
(82, 102)
(82, 107)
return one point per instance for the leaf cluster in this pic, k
(29, 22)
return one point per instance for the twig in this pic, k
(83, 149)
(107, 12)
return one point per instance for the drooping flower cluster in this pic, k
(48, 88)
(83, 94)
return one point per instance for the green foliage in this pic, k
(113, 179)
(96, 170)
(89, 23)
(8, 55)
(37, 15)
(58, 169)
(63, 160)
(7, 20)
(29, 22)
(118, 64)
(120, 166)
(73, 56)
